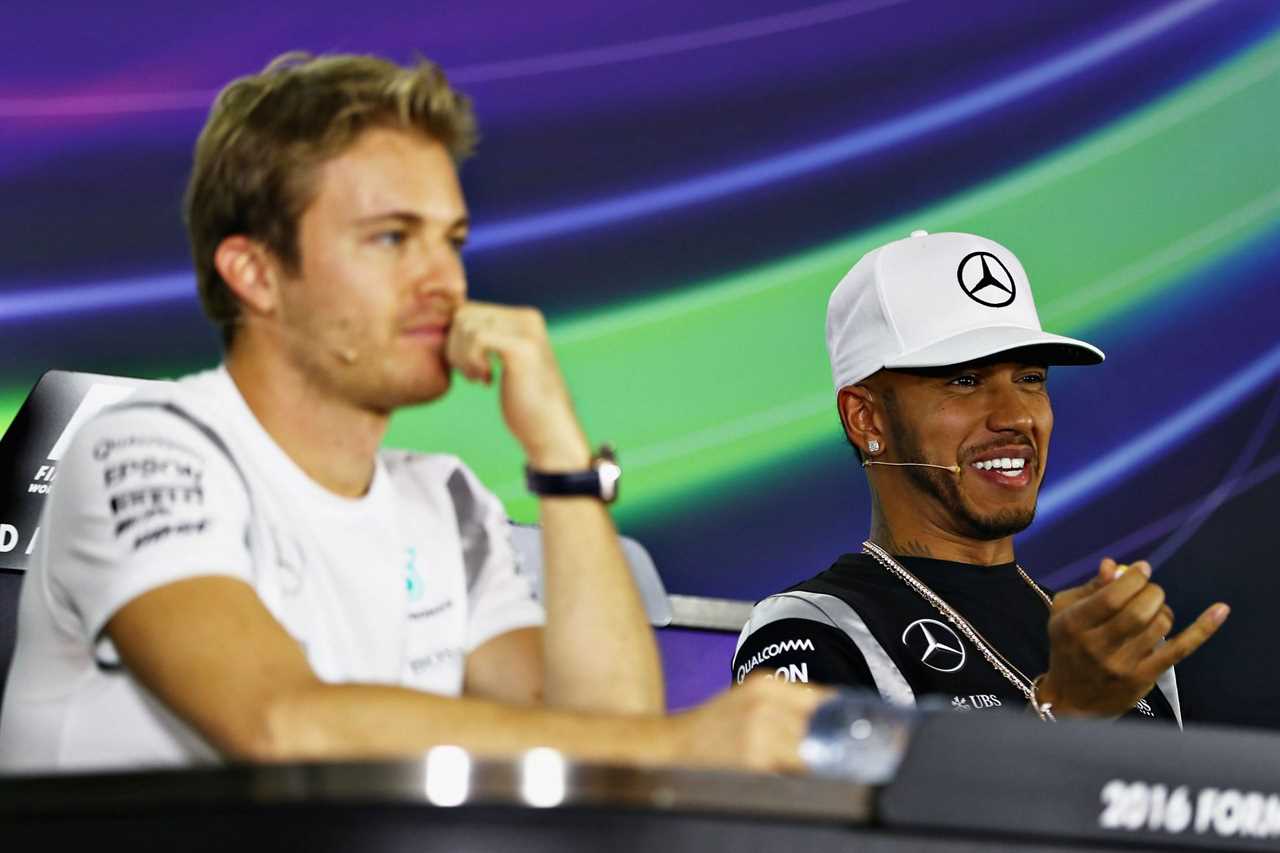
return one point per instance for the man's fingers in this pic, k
(1106, 574)
(1105, 601)
(1193, 637)
(1068, 597)
(1136, 614)
(474, 349)
(1136, 648)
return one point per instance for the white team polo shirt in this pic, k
(395, 587)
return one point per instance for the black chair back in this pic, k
(29, 453)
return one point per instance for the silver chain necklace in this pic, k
(998, 662)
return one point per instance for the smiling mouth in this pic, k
(1011, 466)
(1006, 466)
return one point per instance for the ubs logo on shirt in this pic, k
(976, 702)
(935, 645)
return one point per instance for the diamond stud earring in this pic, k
(873, 446)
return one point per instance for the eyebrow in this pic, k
(408, 217)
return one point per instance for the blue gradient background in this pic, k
(638, 153)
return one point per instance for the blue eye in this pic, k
(394, 237)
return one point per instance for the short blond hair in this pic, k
(268, 132)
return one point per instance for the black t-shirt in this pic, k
(858, 625)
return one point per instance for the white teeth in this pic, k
(1002, 464)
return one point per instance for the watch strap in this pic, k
(598, 481)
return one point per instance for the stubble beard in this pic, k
(945, 488)
(365, 371)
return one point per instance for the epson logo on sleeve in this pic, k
(772, 651)
(149, 467)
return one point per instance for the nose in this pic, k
(439, 271)
(1013, 409)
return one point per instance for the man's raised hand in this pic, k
(535, 401)
(1107, 641)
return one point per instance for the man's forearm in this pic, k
(599, 650)
(358, 721)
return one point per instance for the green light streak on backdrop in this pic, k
(10, 400)
(731, 376)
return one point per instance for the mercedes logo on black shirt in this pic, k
(986, 280)
(935, 644)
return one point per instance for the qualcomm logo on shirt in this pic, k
(772, 651)
(412, 579)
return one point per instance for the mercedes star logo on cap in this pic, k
(986, 280)
(937, 645)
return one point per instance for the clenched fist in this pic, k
(1107, 642)
(757, 726)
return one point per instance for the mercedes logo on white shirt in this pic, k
(937, 645)
(986, 280)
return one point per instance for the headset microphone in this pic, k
(954, 469)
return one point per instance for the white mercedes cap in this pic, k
(936, 299)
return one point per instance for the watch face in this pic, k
(609, 473)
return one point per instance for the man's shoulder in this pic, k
(854, 580)
(182, 415)
(864, 605)
(400, 461)
(823, 630)
(440, 473)
(194, 399)
(431, 470)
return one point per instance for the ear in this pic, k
(858, 413)
(250, 270)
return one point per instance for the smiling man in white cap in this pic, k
(940, 369)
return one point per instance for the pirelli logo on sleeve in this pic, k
(795, 672)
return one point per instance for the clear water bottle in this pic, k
(859, 737)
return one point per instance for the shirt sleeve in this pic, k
(145, 495)
(802, 651)
(499, 597)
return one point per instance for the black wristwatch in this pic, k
(598, 481)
